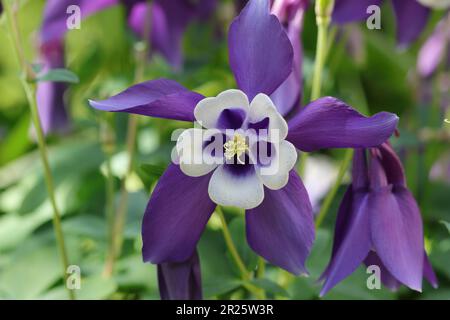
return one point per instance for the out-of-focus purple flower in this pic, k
(180, 280)
(279, 219)
(50, 95)
(291, 13)
(433, 51)
(411, 16)
(169, 20)
(379, 223)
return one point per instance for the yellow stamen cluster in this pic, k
(236, 146)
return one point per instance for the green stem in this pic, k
(30, 90)
(330, 196)
(231, 247)
(245, 275)
(141, 50)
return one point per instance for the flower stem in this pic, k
(141, 50)
(29, 87)
(323, 9)
(323, 18)
(330, 196)
(245, 275)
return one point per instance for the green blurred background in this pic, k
(364, 69)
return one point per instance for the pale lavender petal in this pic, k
(281, 229)
(346, 11)
(412, 18)
(355, 243)
(432, 52)
(180, 280)
(160, 98)
(175, 217)
(396, 228)
(330, 123)
(260, 51)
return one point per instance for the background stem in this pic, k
(29, 87)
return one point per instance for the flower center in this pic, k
(235, 147)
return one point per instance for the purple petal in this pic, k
(330, 123)
(433, 50)
(346, 11)
(160, 98)
(175, 217)
(360, 182)
(260, 52)
(353, 233)
(396, 228)
(50, 95)
(54, 24)
(386, 277)
(281, 229)
(411, 19)
(180, 280)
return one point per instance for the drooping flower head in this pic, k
(379, 223)
(411, 16)
(169, 20)
(279, 219)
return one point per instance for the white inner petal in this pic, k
(208, 110)
(228, 189)
(276, 175)
(262, 107)
(193, 160)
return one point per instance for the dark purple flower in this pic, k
(433, 51)
(379, 223)
(168, 22)
(411, 16)
(279, 217)
(180, 280)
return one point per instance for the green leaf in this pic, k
(59, 75)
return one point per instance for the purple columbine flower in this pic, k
(180, 280)
(379, 223)
(433, 51)
(169, 20)
(411, 16)
(279, 216)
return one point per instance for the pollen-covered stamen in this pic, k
(237, 146)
